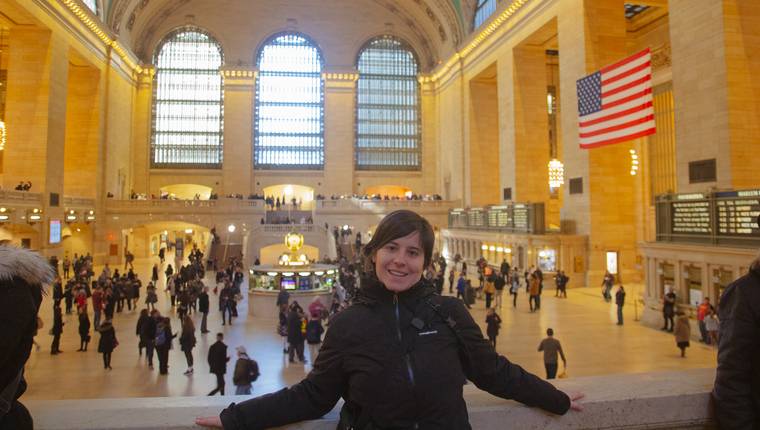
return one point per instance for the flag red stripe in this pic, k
(627, 86)
(616, 115)
(617, 127)
(625, 61)
(627, 73)
(627, 99)
(646, 132)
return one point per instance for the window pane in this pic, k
(483, 10)
(188, 94)
(92, 4)
(387, 107)
(289, 116)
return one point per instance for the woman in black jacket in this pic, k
(107, 342)
(400, 355)
(84, 329)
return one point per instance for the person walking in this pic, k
(668, 310)
(515, 286)
(500, 281)
(147, 333)
(141, 320)
(295, 335)
(462, 290)
(682, 332)
(154, 274)
(712, 325)
(107, 342)
(607, 282)
(203, 307)
(489, 288)
(493, 324)
(84, 329)
(164, 337)
(551, 348)
(702, 310)
(187, 342)
(620, 302)
(534, 289)
(246, 372)
(56, 331)
(314, 332)
(217, 362)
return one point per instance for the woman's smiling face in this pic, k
(399, 263)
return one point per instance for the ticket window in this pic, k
(692, 284)
(667, 278)
(720, 280)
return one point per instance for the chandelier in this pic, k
(634, 162)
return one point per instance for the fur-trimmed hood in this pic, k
(24, 264)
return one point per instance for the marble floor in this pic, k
(584, 323)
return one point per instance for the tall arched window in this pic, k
(188, 109)
(289, 114)
(483, 10)
(387, 107)
(92, 4)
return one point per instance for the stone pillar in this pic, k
(340, 101)
(237, 166)
(595, 31)
(36, 118)
(483, 131)
(531, 129)
(141, 131)
(82, 131)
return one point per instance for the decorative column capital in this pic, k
(340, 80)
(240, 78)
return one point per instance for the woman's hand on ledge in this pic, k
(213, 422)
(575, 405)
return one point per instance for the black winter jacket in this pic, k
(398, 365)
(737, 381)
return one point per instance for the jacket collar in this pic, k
(374, 292)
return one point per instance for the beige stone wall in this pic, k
(484, 143)
(82, 131)
(741, 21)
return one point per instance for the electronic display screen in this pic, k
(55, 231)
(288, 283)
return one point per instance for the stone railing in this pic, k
(78, 202)
(287, 228)
(135, 205)
(665, 400)
(20, 197)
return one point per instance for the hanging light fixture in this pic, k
(634, 162)
(556, 173)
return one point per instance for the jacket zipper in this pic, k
(408, 359)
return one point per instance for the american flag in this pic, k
(615, 103)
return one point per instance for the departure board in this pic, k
(691, 217)
(738, 212)
(521, 217)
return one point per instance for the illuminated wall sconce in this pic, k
(634, 162)
(556, 173)
(484, 247)
(188, 231)
(4, 214)
(492, 248)
(71, 215)
(90, 216)
(500, 249)
(33, 216)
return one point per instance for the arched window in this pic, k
(483, 10)
(187, 103)
(92, 4)
(387, 107)
(289, 114)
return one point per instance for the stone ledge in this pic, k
(663, 400)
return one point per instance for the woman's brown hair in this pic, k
(395, 225)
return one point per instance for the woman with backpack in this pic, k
(246, 372)
(314, 332)
(400, 355)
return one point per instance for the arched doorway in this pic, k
(186, 192)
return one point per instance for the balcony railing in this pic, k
(717, 218)
(20, 197)
(226, 203)
(525, 218)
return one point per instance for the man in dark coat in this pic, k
(295, 334)
(217, 363)
(22, 274)
(737, 380)
(203, 305)
(57, 331)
